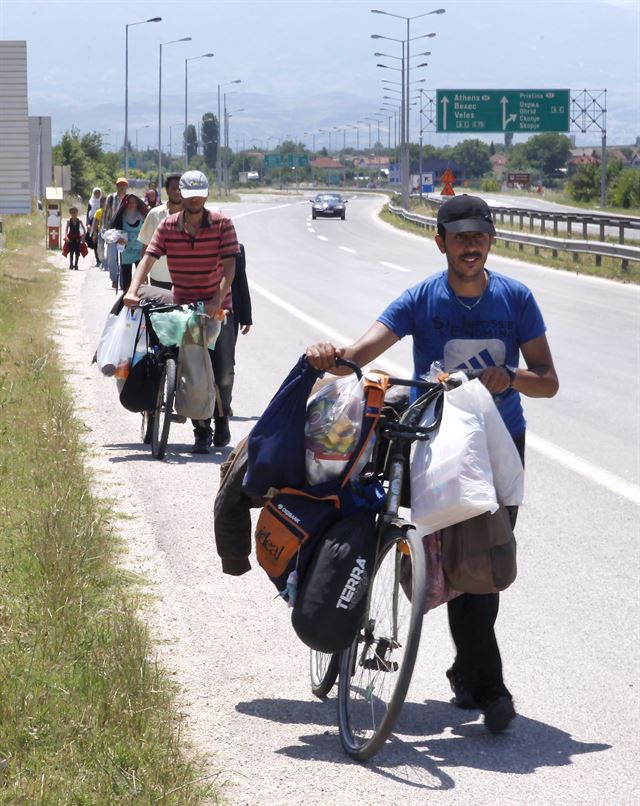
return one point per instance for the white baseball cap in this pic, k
(194, 183)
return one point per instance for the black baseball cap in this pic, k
(466, 214)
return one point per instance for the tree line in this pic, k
(545, 156)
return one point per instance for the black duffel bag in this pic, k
(140, 389)
(331, 600)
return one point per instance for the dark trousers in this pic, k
(125, 275)
(471, 620)
(223, 362)
(74, 252)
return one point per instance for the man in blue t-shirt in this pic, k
(468, 318)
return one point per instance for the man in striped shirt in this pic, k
(201, 249)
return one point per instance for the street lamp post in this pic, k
(344, 136)
(186, 94)
(219, 151)
(357, 128)
(326, 131)
(421, 132)
(387, 115)
(171, 42)
(394, 109)
(365, 123)
(126, 88)
(405, 177)
(405, 172)
(228, 115)
(373, 120)
(146, 126)
(313, 140)
(379, 117)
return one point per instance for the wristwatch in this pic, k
(511, 373)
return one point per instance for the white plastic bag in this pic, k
(117, 343)
(451, 478)
(332, 428)
(506, 466)
(114, 235)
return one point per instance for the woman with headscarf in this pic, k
(129, 219)
(92, 209)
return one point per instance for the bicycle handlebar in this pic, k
(344, 362)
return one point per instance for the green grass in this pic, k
(86, 716)
(610, 268)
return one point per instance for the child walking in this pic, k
(74, 236)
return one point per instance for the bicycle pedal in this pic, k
(178, 418)
(380, 664)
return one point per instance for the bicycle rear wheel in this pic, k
(146, 426)
(164, 408)
(375, 672)
(323, 669)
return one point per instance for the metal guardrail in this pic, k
(579, 220)
(599, 249)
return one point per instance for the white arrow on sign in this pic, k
(445, 104)
(506, 120)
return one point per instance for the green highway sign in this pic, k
(524, 111)
(288, 160)
(273, 160)
(297, 160)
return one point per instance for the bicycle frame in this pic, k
(401, 435)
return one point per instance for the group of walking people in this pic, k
(463, 317)
(111, 228)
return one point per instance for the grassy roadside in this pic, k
(85, 716)
(610, 268)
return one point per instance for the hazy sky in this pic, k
(309, 65)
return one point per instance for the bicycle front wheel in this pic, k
(164, 408)
(375, 672)
(323, 669)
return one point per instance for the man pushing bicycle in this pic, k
(468, 317)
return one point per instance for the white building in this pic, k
(15, 191)
(40, 159)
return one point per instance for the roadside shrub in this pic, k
(490, 185)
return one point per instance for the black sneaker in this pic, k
(462, 697)
(221, 434)
(499, 714)
(203, 439)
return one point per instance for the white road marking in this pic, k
(568, 460)
(298, 314)
(599, 475)
(261, 210)
(346, 249)
(322, 238)
(394, 266)
(311, 229)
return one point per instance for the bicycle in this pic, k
(374, 673)
(157, 421)
(323, 670)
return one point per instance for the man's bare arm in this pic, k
(369, 346)
(142, 272)
(539, 379)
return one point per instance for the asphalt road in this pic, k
(568, 627)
